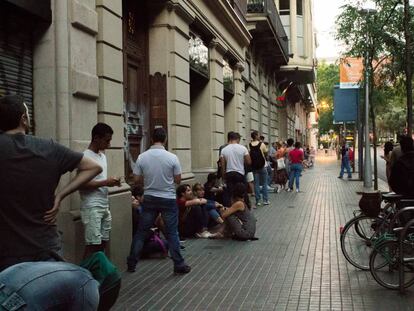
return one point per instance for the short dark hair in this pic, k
(100, 130)
(159, 135)
(211, 177)
(262, 137)
(181, 189)
(11, 111)
(290, 142)
(229, 134)
(298, 144)
(388, 147)
(406, 143)
(254, 134)
(234, 136)
(239, 190)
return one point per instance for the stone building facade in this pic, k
(199, 68)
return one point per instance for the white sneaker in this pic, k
(288, 190)
(203, 235)
(297, 190)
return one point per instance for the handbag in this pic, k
(281, 164)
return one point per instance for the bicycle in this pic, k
(360, 233)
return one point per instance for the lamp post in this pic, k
(367, 158)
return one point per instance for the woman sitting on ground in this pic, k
(212, 191)
(194, 213)
(238, 218)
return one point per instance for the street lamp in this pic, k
(367, 159)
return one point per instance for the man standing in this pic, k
(30, 170)
(158, 170)
(345, 161)
(258, 150)
(95, 214)
(233, 158)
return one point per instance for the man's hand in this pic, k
(51, 215)
(135, 203)
(203, 201)
(113, 181)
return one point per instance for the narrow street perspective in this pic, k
(296, 264)
(206, 155)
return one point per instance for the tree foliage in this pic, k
(327, 77)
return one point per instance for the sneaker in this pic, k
(340, 177)
(349, 177)
(131, 269)
(297, 190)
(288, 190)
(203, 235)
(266, 203)
(258, 204)
(270, 189)
(182, 269)
(217, 235)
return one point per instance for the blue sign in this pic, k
(345, 105)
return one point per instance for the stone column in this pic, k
(217, 95)
(168, 54)
(293, 29)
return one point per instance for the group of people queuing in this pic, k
(30, 171)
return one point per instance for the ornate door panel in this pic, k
(136, 82)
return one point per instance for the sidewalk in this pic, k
(296, 264)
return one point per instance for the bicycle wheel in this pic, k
(384, 264)
(357, 239)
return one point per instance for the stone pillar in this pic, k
(293, 29)
(168, 54)
(217, 96)
(239, 99)
(110, 111)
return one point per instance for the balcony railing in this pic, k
(268, 7)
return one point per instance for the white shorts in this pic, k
(97, 223)
(249, 177)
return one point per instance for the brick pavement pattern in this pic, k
(296, 264)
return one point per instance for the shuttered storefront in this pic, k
(16, 57)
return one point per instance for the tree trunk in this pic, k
(408, 69)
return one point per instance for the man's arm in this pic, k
(222, 166)
(87, 169)
(177, 179)
(247, 159)
(139, 180)
(95, 184)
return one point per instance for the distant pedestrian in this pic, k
(95, 214)
(158, 170)
(258, 151)
(388, 147)
(345, 163)
(233, 159)
(296, 158)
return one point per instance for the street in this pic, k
(296, 264)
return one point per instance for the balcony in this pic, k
(263, 22)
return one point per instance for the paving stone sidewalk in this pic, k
(296, 264)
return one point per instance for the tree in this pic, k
(366, 35)
(327, 77)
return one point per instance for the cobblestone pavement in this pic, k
(296, 264)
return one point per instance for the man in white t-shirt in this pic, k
(95, 214)
(233, 157)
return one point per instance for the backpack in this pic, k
(258, 160)
(108, 276)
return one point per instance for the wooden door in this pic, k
(136, 82)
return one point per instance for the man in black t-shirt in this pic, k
(30, 170)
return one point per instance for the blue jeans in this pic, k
(211, 209)
(295, 170)
(48, 286)
(260, 179)
(345, 165)
(151, 207)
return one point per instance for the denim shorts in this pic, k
(97, 223)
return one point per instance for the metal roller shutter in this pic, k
(16, 59)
